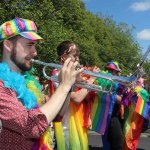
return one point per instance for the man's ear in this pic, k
(63, 58)
(8, 45)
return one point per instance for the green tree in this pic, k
(99, 38)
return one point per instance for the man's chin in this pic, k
(26, 68)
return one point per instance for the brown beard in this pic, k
(21, 66)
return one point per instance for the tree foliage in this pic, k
(99, 38)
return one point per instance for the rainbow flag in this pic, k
(132, 129)
(102, 108)
(136, 112)
(142, 106)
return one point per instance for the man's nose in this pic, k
(33, 52)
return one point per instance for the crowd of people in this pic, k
(30, 111)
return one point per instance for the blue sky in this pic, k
(132, 12)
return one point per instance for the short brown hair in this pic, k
(64, 47)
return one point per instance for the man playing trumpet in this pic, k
(22, 119)
(72, 114)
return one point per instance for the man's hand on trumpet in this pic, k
(69, 73)
(91, 79)
(86, 78)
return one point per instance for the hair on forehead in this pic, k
(15, 38)
(64, 47)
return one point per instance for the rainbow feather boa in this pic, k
(29, 93)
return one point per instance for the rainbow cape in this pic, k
(77, 134)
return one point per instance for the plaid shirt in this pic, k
(20, 127)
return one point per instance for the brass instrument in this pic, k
(120, 79)
(139, 71)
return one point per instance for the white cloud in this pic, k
(144, 34)
(140, 6)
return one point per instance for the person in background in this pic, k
(137, 112)
(23, 120)
(114, 135)
(72, 116)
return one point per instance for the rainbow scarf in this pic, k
(78, 139)
(135, 114)
(29, 93)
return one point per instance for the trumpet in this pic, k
(93, 87)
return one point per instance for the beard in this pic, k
(21, 66)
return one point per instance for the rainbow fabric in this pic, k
(19, 26)
(28, 92)
(58, 128)
(77, 133)
(113, 65)
(134, 119)
(132, 129)
(78, 139)
(101, 110)
(142, 106)
(60, 139)
(45, 140)
(101, 106)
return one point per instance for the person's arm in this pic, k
(118, 99)
(32, 123)
(75, 96)
(16, 118)
(80, 95)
